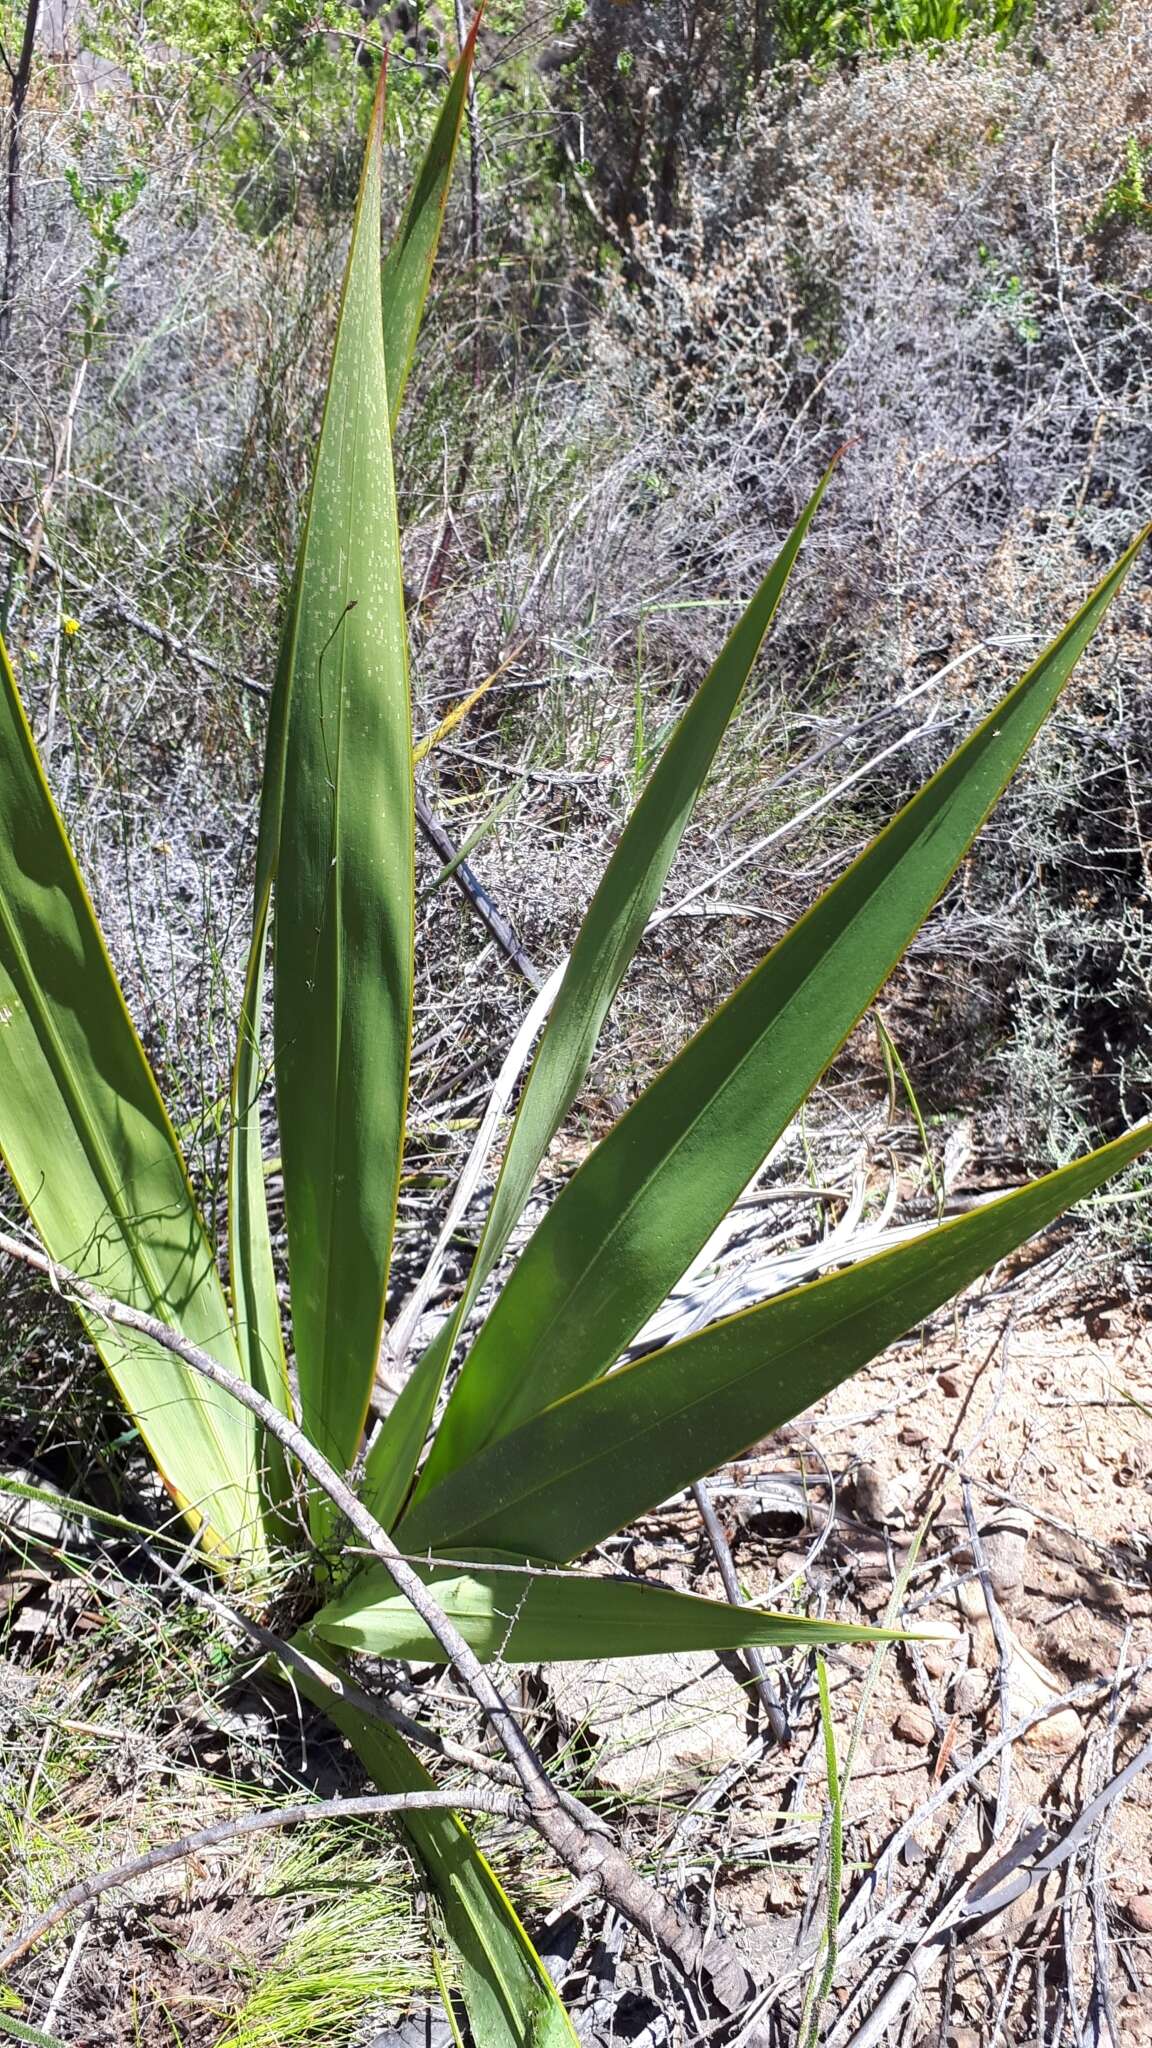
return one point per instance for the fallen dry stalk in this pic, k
(224, 1832)
(586, 1855)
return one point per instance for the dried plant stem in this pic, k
(20, 78)
(475, 216)
(766, 1688)
(584, 1854)
(224, 1832)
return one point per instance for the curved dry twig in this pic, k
(696, 1953)
(224, 1832)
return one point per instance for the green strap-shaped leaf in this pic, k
(588, 1466)
(255, 1302)
(509, 1996)
(550, 1619)
(407, 267)
(406, 273)
(344, 887)
(608, 938)
(632, 1219)
(89, 1146)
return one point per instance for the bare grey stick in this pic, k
(696, 1953)
(766, 1689)
(224, 1832)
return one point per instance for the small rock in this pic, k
(874, 1598)
(417, 2030)
(661, 1722)
(970, 1691)
(780, 1893)
(915, 1725)
(1139, 1911)
(946, 1649)
(949, 1384)
(1030, 1686)
(39, 1519)
(1004, 1542)
(881, 1494)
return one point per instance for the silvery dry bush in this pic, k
(937, 258)
(547, 1444)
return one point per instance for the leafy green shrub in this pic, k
(821, 30)
(543, 1449)
(273, 111)
(102, 208)
(1127, 202)
(875, 264)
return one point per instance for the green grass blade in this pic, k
(407, 267)
(588, 1466)
(444, 1988)
(824, 1970)
(538, 1620)
(15, 2030)
(93, 1155)
(509, 1996)
(345, 884)
(632, 1219)
(607, 941)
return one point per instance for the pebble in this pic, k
(39, 1519)
(915, 1725)
(881, 1494)
(1004, 1542)
(938, 1658)
(1139, 1911)
(970, 1690)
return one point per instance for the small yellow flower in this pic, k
(70, 625)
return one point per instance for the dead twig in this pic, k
(766, 1690)
(224, 1832)
(468, 881)
(475, 216)
(1003, 1654)
(60, 1989)
(988, 1895)
(20, 75)
(697, 1955)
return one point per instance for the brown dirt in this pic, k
(1024, 1397)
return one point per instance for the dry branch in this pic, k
(224, 1832)
(586, 1855)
